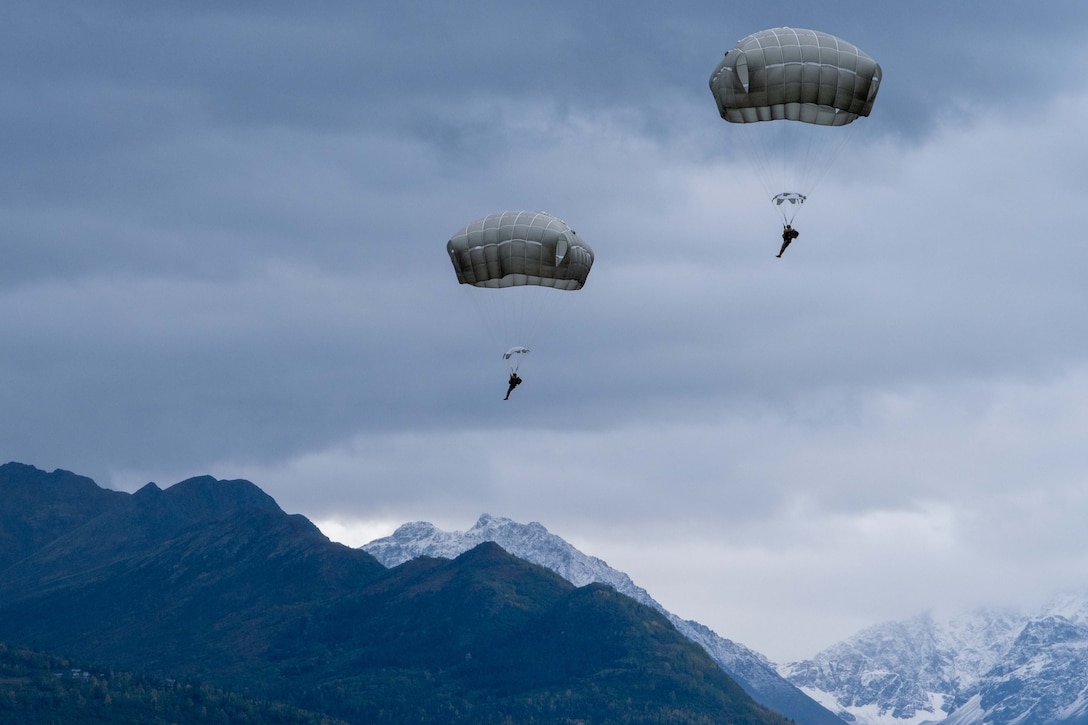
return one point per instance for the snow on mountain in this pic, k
(1071, 605)
(992, 667)
(903, 673)
(1042, 679)
(531, 542)
(534, 543)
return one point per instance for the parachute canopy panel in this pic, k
(514, 248)
(788, 198)
(796, 75)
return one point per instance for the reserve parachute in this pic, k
(514, 356)
(517, 261)
(790, 96)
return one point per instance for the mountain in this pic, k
(38, 507)
(536, 544)
(986, 666)
(188, 581)
(1043, 678)
(210, 581)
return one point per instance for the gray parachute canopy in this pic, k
(515, 248)
(796, 75)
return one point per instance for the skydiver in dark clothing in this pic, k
(514, 382)
(788, 235)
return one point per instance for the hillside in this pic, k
(38, 688)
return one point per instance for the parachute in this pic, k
(789, 203)
(514, 263)
(790, 94)
(513, 357)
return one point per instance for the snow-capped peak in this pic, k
(998, 667)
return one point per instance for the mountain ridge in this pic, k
(533, 542)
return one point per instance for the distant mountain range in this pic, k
(212, 582)
(985, 667)
(534, 543)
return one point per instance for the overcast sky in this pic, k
(223, 229)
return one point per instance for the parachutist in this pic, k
(514, 382)
(788, 235)
(793, 114)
